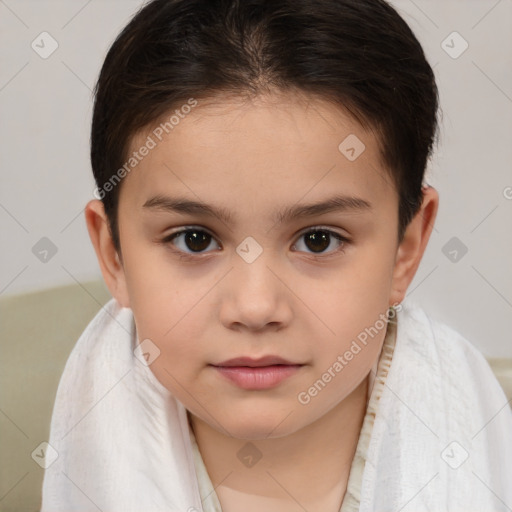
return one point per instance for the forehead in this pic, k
(259, 152)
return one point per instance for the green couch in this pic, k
(38, 332)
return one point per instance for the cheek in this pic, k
(353, 297)
(176, 328)
(159, 294)
(174, 314)
(352, 309)
(172, 308)
(178, 339)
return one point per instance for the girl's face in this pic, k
(260, 229)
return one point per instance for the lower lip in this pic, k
(263, 377)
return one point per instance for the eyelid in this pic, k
(168, 239)
(344, 240)
(321, 227)
(191, 227)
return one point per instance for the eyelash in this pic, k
(193, 256)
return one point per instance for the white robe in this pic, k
(441, 439)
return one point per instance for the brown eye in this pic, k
(318, 240)
(194, 240)
(197, 240)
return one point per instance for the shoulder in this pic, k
(449, 347)
(452, 366)
(442, 415)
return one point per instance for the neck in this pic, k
(310, 466)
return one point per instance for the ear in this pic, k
(411, 249)
(108, 259)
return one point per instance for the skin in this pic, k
(252, 158)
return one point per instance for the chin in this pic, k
(258, 426)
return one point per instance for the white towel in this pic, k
(441, 441)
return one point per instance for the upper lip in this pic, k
(249, 361)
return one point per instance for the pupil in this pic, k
(317, 241)
(197, 240)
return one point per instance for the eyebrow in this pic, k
(339, 203)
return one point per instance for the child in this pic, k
(277, 367)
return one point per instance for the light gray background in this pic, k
(46, 178)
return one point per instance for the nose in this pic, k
(254, 296)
